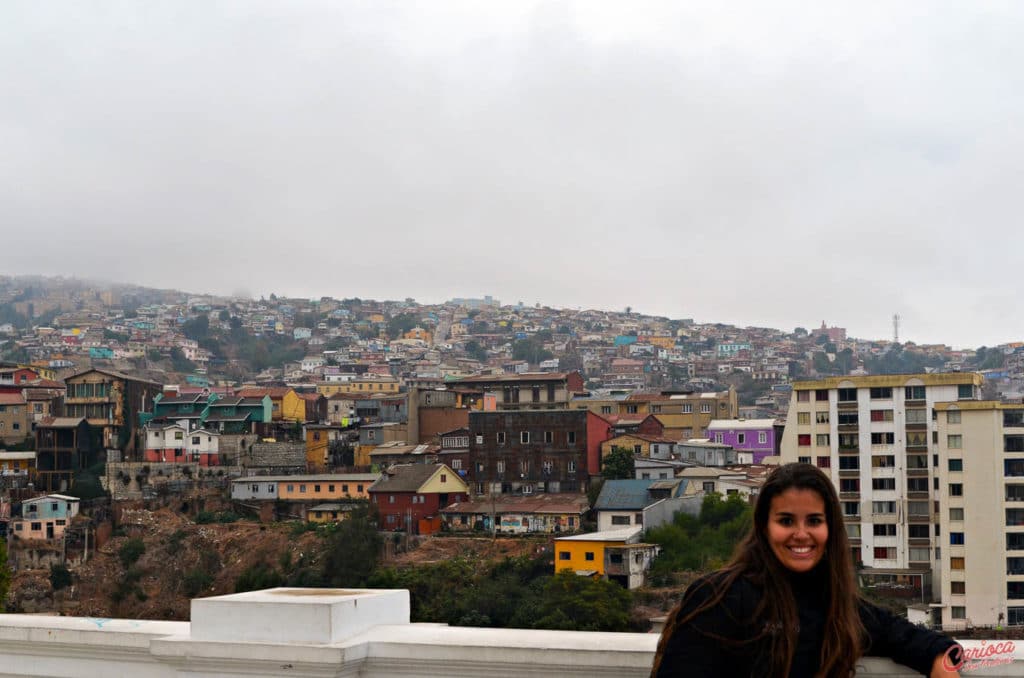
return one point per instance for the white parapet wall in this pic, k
(335, 632)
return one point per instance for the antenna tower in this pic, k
(896, 328)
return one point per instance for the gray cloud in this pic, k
(761, 163)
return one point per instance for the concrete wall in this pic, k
(306, 633)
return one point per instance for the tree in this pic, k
(5, 574)
(576, 603)
(353, 549)
(179, 363)
(619, 464)
(531, 350)
(476, 351)
(197, 328)
(401, 324)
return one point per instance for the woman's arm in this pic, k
(896, 638)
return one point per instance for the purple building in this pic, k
(756, 436)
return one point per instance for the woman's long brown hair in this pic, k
(844, 634)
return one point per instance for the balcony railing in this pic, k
(305, 633)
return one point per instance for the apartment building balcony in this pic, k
(849, 473)
(919, 541)
(916, 472)
(918, 494)
(848, 496)
(849, 428)
(846, 405)
(330, 632)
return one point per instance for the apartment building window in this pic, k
(803, 418)
(687, 408)
(919, 554)
(851, 508)
(917, 416)
(822, 440)
(804, 460)
(885, 553)
(570, 467)
(883, 507)
(849, 485)
(821, 395)
(956, 538)
(631, 409)
(884, 530)
(499, 466)
(456, 464)
(884, 483)
(535, 394)
(881, 392)
(953, 417)
(853, 530)
(957, 563)
(848, 419)
(965, 391)
(803, 440)
(957, 514)
(570, 437)
(883, 461)
(1015, 541)
(803, 396)
(849, 463)
(956, 489)
(655, 409)
(705, 408)
(958, 612)
(883, 438)
(955, 442)
(1013, 467)
(917, 461)
(741, 438)
(821, 417)
(1013, 417)
(606, 409)
(918, 532)
(956, 464)
(824, 462)
(1013, 443)
(881, 415)
(847, 395)
(501, 437)
(914, 392)
(847, 441)
(917, 484)
(762, 438)
(917, 508)
(549, 437)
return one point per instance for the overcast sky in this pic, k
(763, 163)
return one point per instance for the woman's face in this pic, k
(797, 529)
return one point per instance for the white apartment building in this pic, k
(980, 478)
(874, 435)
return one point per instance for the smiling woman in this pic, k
(787, 604)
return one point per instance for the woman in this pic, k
(787, 604)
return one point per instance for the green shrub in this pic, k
(60, 577)
(131, 551)
(196, 580)
(205, 517)
(259, 576)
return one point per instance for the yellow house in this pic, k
(327, 513)
(418, 333)
(286, 403)
(373, 385)
(17, 463)
(584, 553)
(637, 443)
(326, 487)
(663, 342)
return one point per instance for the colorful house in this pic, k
(236, 414)
(174, 443)
(410, 496)
(584, 553)
(45, 517)
(536, 514)
(286, 405)
(754, 436)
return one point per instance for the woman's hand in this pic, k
(942, 667)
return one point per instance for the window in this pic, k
(851, 508)
(824, 462)
(917, 416)
(821, 417)
(956, 563)
(291, 488)
(589, 555)
(956, 464)
(884, 530)
(958, 588)
(853, 530)
(881, 415)
(631, 409)
(885, 553)
(955, 442)
(1013, 417)
(479, 439)
(956, 538)
(847, 395)
(956, 514)
(804, 460)
(456, 464)
(705, 408)
(36, 526)
(913, 393)
(501, 437)
(917, 484)
(956, 489)
(883, 507)
(847, 441)
(344, 489)
(849, 463)
(915, 531)
(708, 486)
(620, 520)
(570, 467)
(881, 392)
(953, 417)
(803, 440)
(718, 437)
(803, 396)
(884, 483)
(391, 499)
(359, 488)
(606, 409)
(848, 419)
(762, 437)
(524, 437)
(919, 554)
(316, 488)
(883, 461)
(549, 437)
(883, 438)
(964, 391)
(821, 440)
(571, 437)
(849, 485)
(563, 555)
(687, 408)
(803, 418)
(958, 611)
(444, 477)
(1013, 443)
(741, 438)
(821, 395)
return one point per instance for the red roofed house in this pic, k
(410, 496)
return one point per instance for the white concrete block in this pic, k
(296, 615)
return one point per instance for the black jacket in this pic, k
(693, 651)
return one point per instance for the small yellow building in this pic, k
(286, 403)
(584, 553)
(327, 487)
